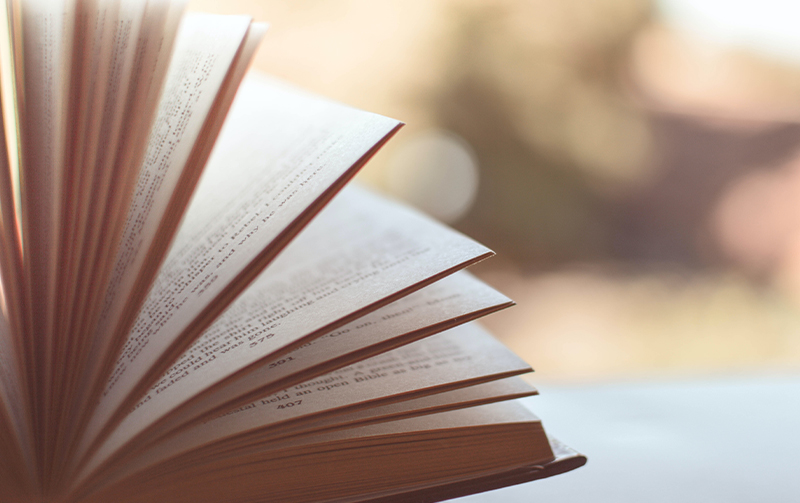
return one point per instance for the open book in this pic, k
(168, 336)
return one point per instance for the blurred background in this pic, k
(635, 164)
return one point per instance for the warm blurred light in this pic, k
(435, 171)
(584, 322)
(609, 142)
(758, 218)
(694, 76)
(765, 26)
(634, 157)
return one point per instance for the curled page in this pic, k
(281, 156)
(374, 252)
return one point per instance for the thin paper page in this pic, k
(477, 430)
(205, 49)
(360, 250)
(502, 389)
(89, 169)
(286, 150)
(374, 249)
(17, 433)
(444, 304)
(358, 415)
(490, 414)
(454, 358)
(98, 168)
(206, 46)
(46, 46)
(82, 301)
(459, 355)
(186, 445)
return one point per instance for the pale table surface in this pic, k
(727, 439)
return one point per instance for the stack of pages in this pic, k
(258, 333)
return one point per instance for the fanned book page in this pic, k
(196, 306)
(374, 252)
